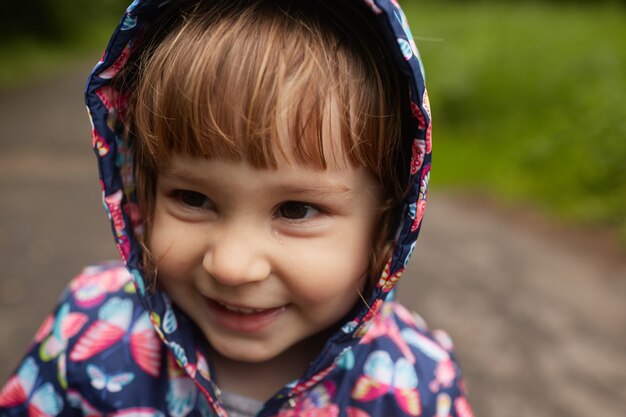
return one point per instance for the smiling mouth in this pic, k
(243, 319)
(243, 310)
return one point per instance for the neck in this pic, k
(261, 380)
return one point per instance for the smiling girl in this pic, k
(265, 166)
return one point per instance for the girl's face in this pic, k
(261, 259)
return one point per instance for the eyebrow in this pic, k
(321, 188)
(181, 176)
(325, 189)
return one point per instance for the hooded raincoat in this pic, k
(115, 348)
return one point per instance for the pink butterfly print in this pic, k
(137, 412)
(418, 151)
(420, 204)
(424, 344)
(113, 204)
(114, 102)
(445, 370)
(78, 401)
(420, 209)
(382, 376)
(429, 131)
(429, 139)
(356, 412)
(367, 319)
(109, 96)
(328, 411)
(45, 328)
(387, 281)
(320, 397)
(417, 113)
(123, 246)
(411, 318)
(406, 315)
(316, 403)
(181, 390)
(445, 373)
(114, 319)
(145, 347)
(463, 408)
(373, 311)
(314, 380)
(43, 401)
(443, 338)
(90, 289)
(134, 213)
(387, 327)
(117, 65)
(201, 366)
(65, 326)
(98, 143)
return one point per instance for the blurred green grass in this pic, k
(25, 59)
(529, 104)
(41, 38)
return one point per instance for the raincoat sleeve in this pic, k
(39, 385)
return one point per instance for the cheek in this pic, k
(160, 238)
(322, 273)
(172, 247)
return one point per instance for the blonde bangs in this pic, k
(262, 84)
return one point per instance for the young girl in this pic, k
(264, 164)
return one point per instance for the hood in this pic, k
(115, 160)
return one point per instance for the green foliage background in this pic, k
(529, 102)
(529, 97)
(54, 20)
(42, 37)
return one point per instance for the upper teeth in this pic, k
(240, 309)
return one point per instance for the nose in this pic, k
(236, 257)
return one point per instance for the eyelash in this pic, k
(180, 196)
(304, 205)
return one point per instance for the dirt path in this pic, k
(540, 328)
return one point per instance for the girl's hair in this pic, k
(256, 80)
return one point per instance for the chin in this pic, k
(249, 357)
(246, 351)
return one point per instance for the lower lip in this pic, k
(246, 323)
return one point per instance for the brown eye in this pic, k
(194, 199)
(294, 210)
